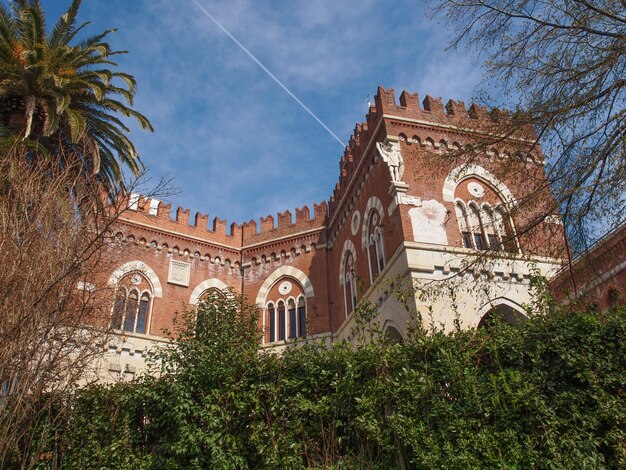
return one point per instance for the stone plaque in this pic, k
(179, 273)
(428, 223)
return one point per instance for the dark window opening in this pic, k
(281, 322)
(292, 321)
(467, 239)
(478, 239)
(302, 318)
(272, 323)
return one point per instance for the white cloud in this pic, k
(237, 144)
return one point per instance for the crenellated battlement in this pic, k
(427, 117)
(144, 210)
(433, 110)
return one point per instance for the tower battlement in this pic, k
(433, 110)
(428, 118)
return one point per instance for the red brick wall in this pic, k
(598, 276)
(312, 240)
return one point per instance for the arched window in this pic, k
(271, 322)
(485, 227)
(131, 311)
(476, 226)
(282, 320)
(375, 249)
(505, 224)
(301, 317)
(142, 317)
(285, 311)
(131, 308)
(492, 230)
(118, 309)
(464, 227)
(349, 285)
(293, 322)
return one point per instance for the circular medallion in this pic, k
(136, 279)
(284, 288)
(375, 219)
(476, 189)
(356, 222)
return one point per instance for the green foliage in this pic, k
(58, 91)
(547, 393)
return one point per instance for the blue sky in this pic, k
(236, 144)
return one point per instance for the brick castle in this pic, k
(405, 210)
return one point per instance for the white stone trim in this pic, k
(141, 267)
(372, 203)
(276, 275)
(204, 285)
(348, 246)
(472, 170)
(482, 311)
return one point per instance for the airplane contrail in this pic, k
(265, 69)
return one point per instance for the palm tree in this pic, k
(63, 95)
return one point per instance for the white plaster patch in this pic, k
(86, 286)
(411, 200)
(428, 223)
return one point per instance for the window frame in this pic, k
(118, 322)
(294, 320)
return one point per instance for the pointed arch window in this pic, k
(301, 317)
(142, 316)
(118, 309)
(131, 311)
(349, 285)
(485, 228)
(271, 322)
(131, 307)
(464, 227)
(282, 320)
(293, 322)
(476, 226)
(286, 312)
(375, 249)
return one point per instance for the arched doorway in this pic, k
(501, 312)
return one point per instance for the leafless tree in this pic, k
(54, 312)
(560, 67)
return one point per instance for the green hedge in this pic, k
(548, 393)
